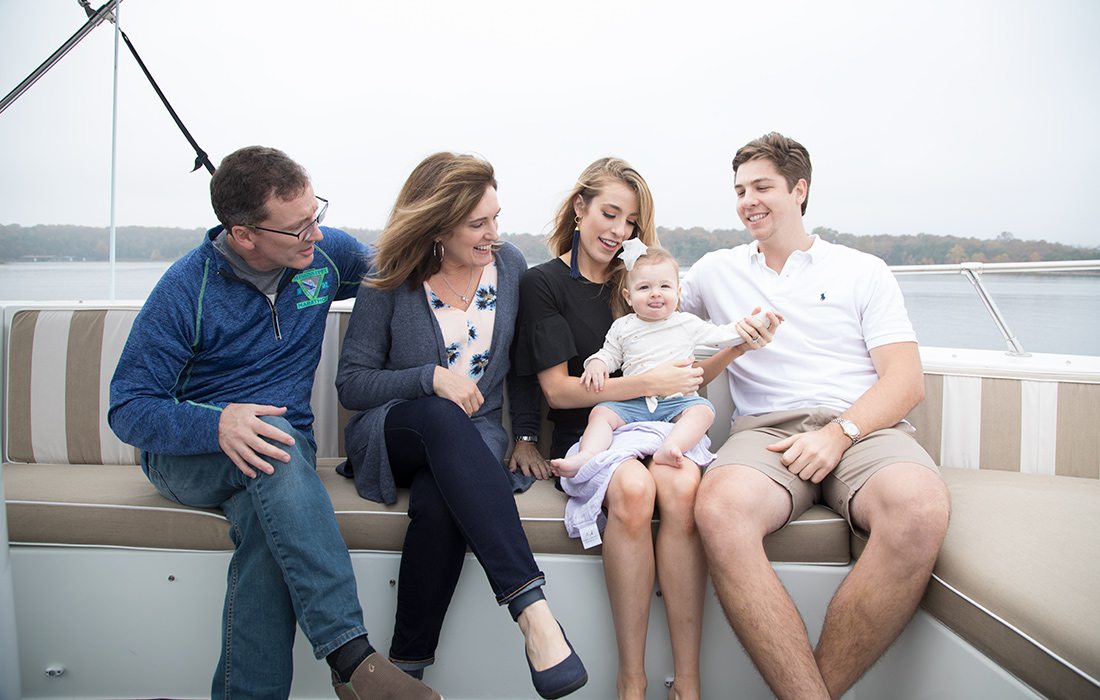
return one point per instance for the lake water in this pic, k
(1047, 313)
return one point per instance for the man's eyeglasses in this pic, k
(304, 233)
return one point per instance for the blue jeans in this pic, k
(459, 496)
(290, 564)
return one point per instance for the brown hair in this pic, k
(438, 196)
(654, 255)
(589, 185)
(247, 178)
(791, 159)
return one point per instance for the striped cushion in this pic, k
(60, 364)
(996, 423)
(61, 361)
(329, 417)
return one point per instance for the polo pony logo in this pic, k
(311, 285)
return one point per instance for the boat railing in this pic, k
(973, 272)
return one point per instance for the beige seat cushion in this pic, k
(103, 505)
(115, 505)
(1017, 576)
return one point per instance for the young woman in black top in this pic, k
(566, 308)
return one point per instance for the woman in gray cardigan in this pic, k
(424, 361)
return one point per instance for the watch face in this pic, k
(850, 428)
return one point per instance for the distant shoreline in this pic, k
(46, 243)
(944, 309)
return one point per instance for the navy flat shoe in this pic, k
(562, 678)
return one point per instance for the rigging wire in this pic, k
(201, 158)
(95, 18)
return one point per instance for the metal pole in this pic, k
(973, 272)
(93, 22)
(114, 159)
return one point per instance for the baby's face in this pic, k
(653, 291)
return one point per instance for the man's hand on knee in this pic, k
(241, 435)
(812, 456)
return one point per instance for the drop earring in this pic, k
(574, 271)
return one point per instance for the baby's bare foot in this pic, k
(668, 454)
(569, 466)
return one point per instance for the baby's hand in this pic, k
(595, 375)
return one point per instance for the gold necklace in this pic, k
(464, 296)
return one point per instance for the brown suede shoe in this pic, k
(378, 679)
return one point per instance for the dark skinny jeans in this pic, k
(459, 496)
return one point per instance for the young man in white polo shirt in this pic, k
(817, 419)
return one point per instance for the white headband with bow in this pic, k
(632, 250)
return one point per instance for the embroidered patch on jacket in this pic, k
(312, 285)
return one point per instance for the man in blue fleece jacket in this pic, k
(214, 388)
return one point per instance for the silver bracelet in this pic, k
(526, 438)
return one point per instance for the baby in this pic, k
(654, 334)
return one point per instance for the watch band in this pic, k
(526, 438)
(851, 430)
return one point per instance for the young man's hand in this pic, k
(813, 455)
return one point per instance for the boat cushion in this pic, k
(1017, 575)
(116, 506)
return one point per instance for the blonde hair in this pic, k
(654, 255)
(437, 197)
(590, 184)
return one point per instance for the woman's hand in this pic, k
(526, 457)
(676, 377)
(461, 390)
(595, 375)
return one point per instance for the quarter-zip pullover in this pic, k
(206, 338)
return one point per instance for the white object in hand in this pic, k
(763, 318)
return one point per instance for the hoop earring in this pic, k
(574, 271)
(438, 250)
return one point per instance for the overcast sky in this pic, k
(944, 117)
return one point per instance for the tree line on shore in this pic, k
(146, 243)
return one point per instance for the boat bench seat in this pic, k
(1016, 577)
(1018, 572)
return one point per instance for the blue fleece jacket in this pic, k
(204, 339)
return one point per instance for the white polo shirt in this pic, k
(837, 303)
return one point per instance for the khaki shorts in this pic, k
(751, 435)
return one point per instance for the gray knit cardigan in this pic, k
(391, 349)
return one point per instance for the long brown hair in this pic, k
(589, 185)
(438, 196)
